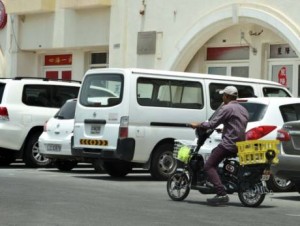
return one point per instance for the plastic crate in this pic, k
(254, 151)
(182, 149)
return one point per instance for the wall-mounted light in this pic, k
(143, 9)
(254, 50)
(255, 33)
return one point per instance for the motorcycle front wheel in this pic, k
(178, 186)
(251, 197)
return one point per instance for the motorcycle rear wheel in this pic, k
(178, 186)
(251, 197)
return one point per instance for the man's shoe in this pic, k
(218, 199)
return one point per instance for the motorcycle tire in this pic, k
(251, 197)
(178, 186)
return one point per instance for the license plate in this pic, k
(95, 129)
(53, 147)
(266, 175)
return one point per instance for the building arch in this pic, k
(225, 17)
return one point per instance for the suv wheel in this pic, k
(32, 157)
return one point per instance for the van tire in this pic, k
(117, 168)
(6, 157)
(98, 166)
(65, 165)
(163, 164)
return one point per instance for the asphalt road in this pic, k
(47, 197)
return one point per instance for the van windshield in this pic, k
(101, 90)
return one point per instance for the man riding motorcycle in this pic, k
(234, 117)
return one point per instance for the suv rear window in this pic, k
(256, 111)
(101, 90)
(67, 111)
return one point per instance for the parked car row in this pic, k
(129, 117)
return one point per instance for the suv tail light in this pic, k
(283, 135)
(259, 132)
(4, 114)
(123, 130)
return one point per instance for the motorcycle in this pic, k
(247, 176)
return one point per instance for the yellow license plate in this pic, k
(94, 142)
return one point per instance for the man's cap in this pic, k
(230, 90)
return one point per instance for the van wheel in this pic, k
(278, 184)
(32, 157)
(117, 168)
(6, 158)
(163, 164)
(65, 165)
(98, 166)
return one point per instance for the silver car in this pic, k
(289, 158)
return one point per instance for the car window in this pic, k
(169, 93)
(53, 96)
(290, 112)
(275, 92)
(216, 98)
(63, 93)
(67, 111)
(2, 86)
(256, 110)
(102, 90)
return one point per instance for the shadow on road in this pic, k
(204, 203)
(289, 198)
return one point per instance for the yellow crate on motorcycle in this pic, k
(182, 150)
(258, 152)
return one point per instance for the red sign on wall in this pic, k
(52, 74)
(3, 15)
(53, 60)
(66, 75)
(282, 77)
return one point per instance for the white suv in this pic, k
(25, 105)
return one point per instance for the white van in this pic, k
(135, 122)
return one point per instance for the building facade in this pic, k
(64, 38)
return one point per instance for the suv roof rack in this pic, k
(44, 79)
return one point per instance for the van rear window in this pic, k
(169, 93)
(101, 90)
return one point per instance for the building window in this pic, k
(99, 60)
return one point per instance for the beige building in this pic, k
(64, 38)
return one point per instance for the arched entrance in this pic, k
(249, 19)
